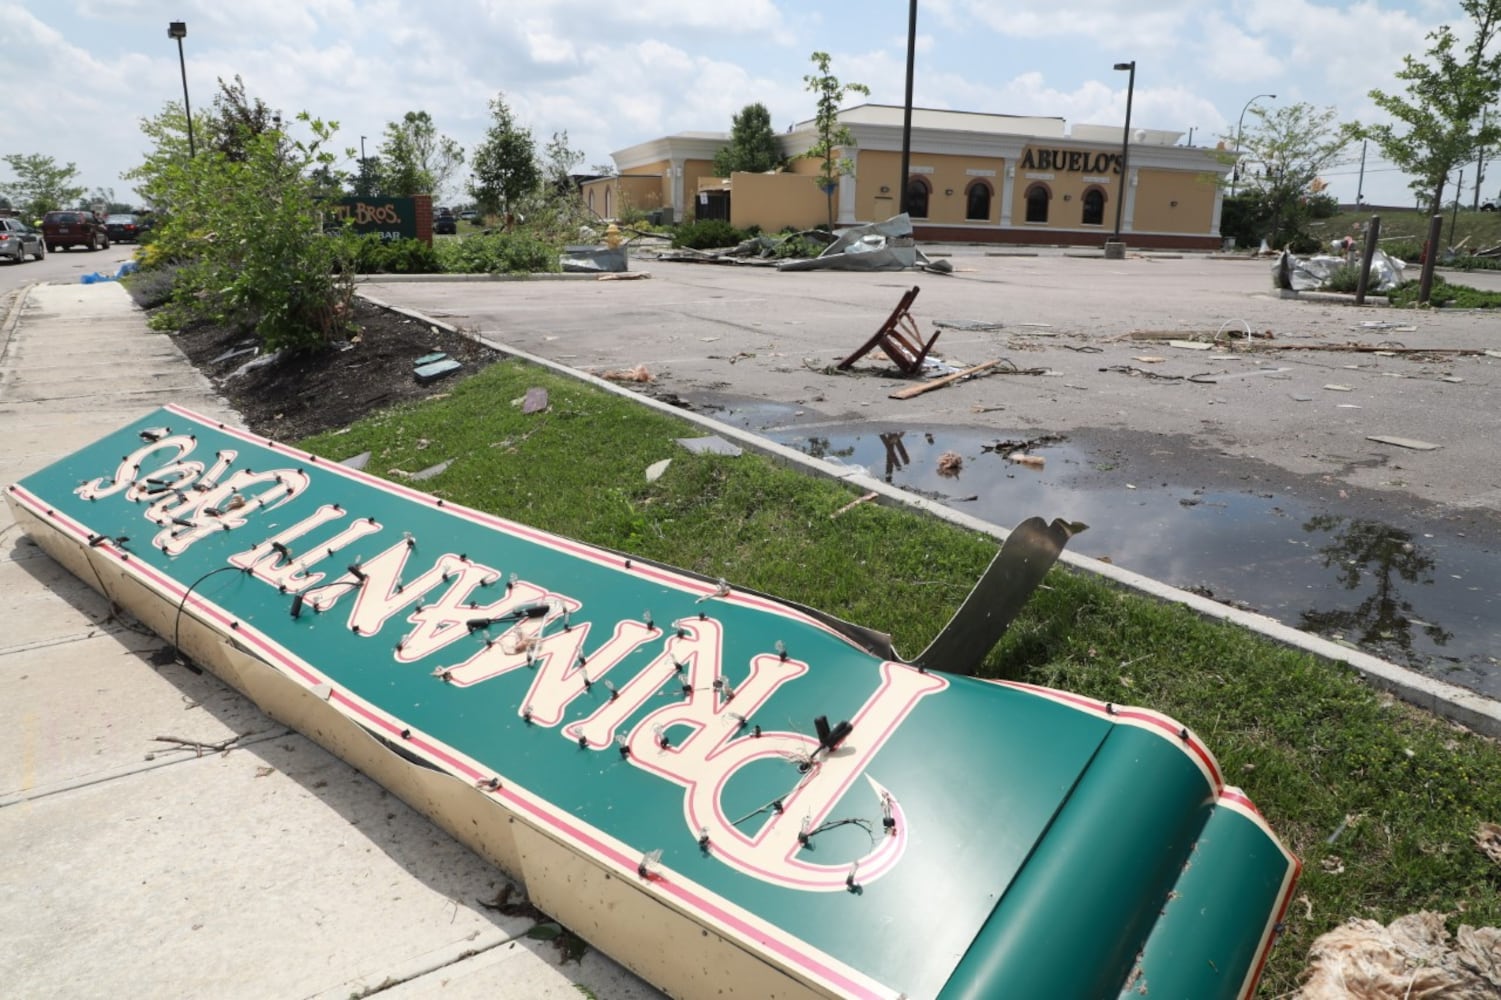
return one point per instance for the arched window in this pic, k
(591, 199)
(977, 201)
(1094, 207)
(1038, 197)
(918, 190)
(607, 203)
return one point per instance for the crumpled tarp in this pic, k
(1309, 274)
(880, 246)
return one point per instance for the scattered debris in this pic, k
(1190, 345)
(1149, 359)
(880, 246)
(357, 461)
(950, 464)
(1402, 442)
(1307, 274)
(1338, 388)
(867, 498)
(711, 445)
(938, 383)
(1409, 958)
(431, 372)
(636, 374)
(431, 471)
(1022, 458)
(1203, 378)
(593, 259)
(655, 470)
(198, 747)
(535, 400)
(968, 326)
(631, 276)
(1488, 839)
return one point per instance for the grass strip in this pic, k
(1379, 799)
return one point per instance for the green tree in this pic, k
(167, 133)
(41, 185)
(505, 162)
(753, 145)
(1283, 153)
(246, 241)
(415, 159)
(1441, 122)
(558, 163)
(235, 119)
(833, 136)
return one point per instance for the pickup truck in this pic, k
(75, 228)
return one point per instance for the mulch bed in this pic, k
(310, 393)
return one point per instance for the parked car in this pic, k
(124, 227)
(78, 228)
(445, 224)
(17, 239)
(471, 216)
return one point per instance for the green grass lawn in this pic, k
(1380, 800)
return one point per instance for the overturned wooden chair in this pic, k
(899, 338)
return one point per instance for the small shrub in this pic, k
(1410, 251)
(516, 252)
(708, 234)
(372, 255)
(1444, 294)
(1344, 279)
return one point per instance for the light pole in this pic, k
(1120, 202)
(179, 31)
(1235, 176)
(907, 107)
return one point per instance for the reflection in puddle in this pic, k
(1428, 600)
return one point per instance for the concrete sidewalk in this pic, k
(137, 865)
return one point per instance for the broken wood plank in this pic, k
(1402, 442)
(938, 383)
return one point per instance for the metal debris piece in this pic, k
(432, 470)
(593, 260)
(357, 461)
(430, 359)
(880, 246)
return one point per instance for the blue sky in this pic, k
(613, 73)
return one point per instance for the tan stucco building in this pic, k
(973, 177)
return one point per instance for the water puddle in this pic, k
(1409, 593)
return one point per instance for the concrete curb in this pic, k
(1448, 700)
(384, 279)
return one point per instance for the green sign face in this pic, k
(392, 218)
(863, 827)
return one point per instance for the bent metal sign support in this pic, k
(729, 794)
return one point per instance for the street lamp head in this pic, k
(177, 29)
(1126, 65)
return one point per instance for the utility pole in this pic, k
(1458, 190)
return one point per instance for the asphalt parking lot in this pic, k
(1173, 451)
